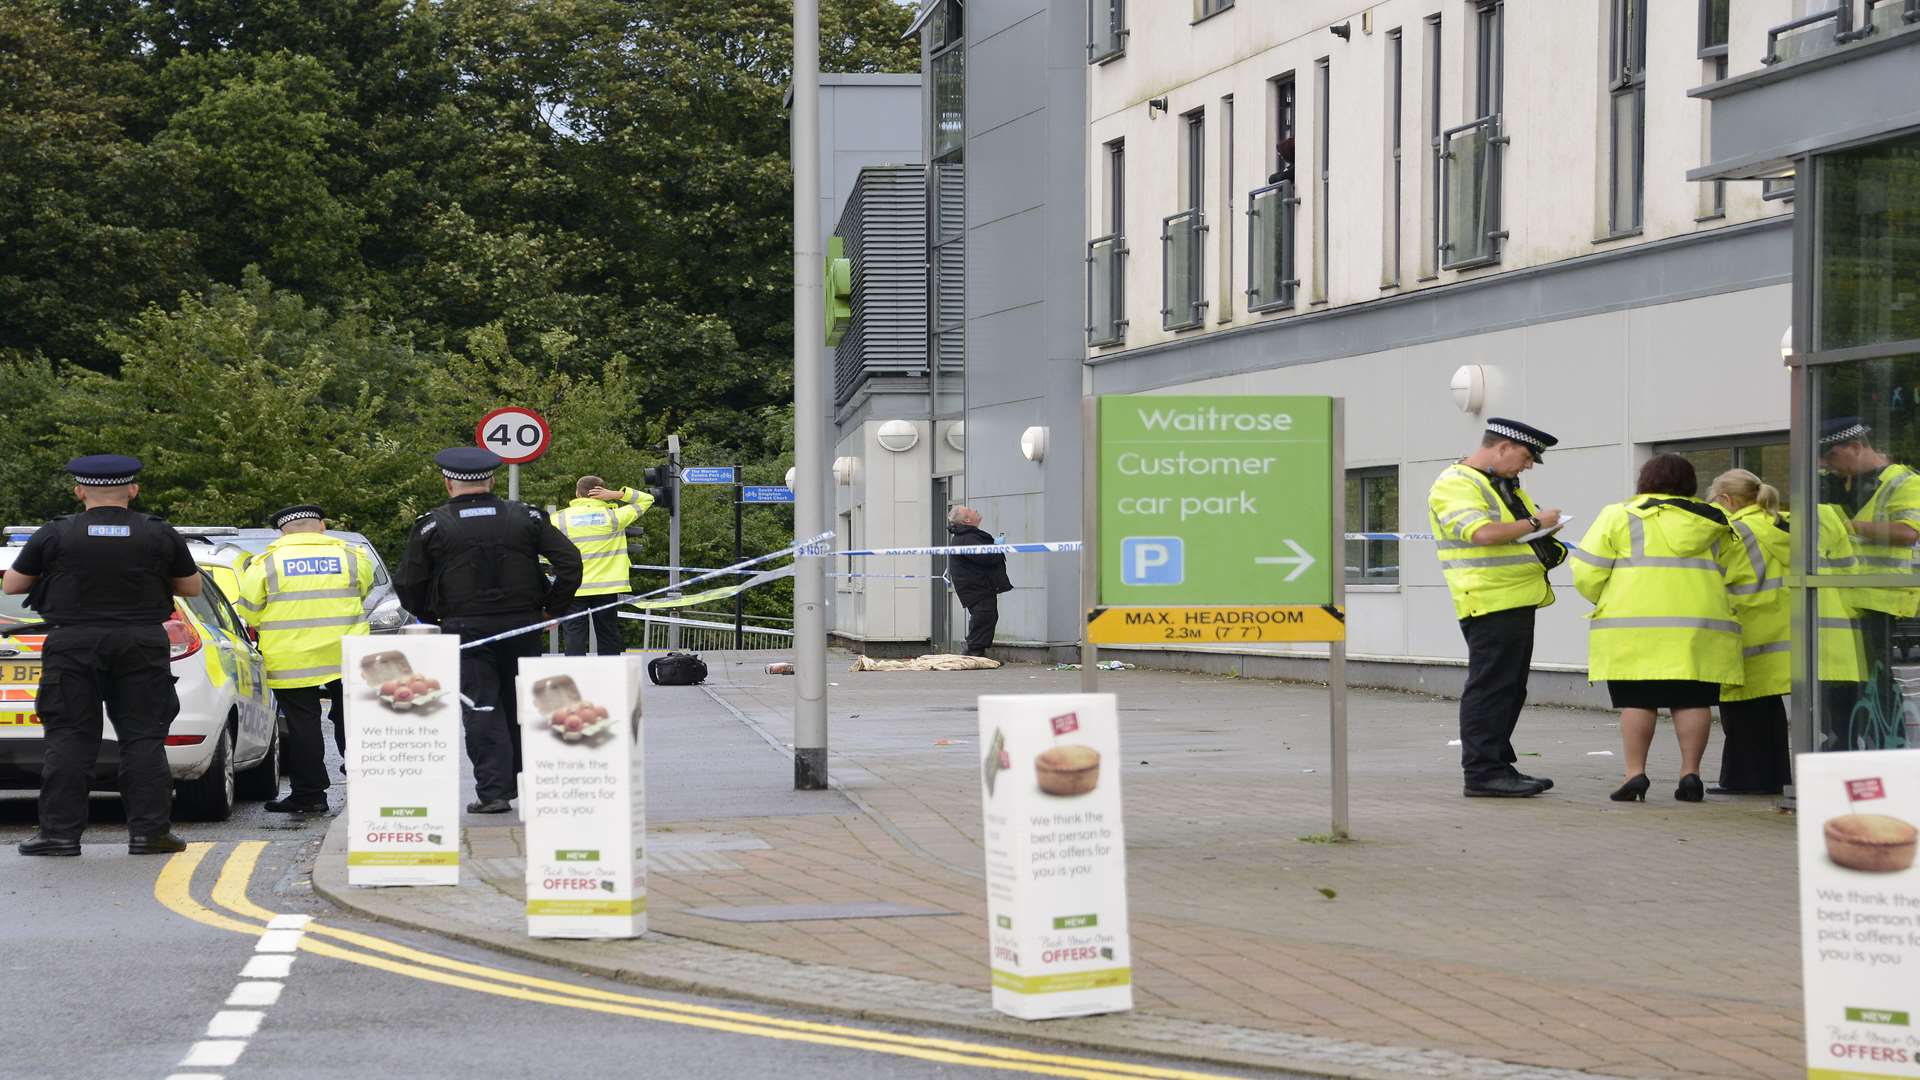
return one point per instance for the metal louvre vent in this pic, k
(885, 233)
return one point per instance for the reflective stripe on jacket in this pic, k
(1496, 577)
(1843, 649)
(1756, 576)
(303, 594)
(1651, 568)
(599, 530)
(1895, 501)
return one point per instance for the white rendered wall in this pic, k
(887, 501)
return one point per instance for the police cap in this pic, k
(104, 470)
(1526, 435)
(467, 463)
(304, 512)
(1842, 429)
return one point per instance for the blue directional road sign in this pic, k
(707, 474)
(752, 494)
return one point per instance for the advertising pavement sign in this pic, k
(402, 695)
(583, 797)
(1860, 912)
(1056, 855)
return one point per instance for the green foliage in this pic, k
(285, 249)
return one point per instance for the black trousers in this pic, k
(126, 669)
(1754, 756)
(1499, 657)
(983, 614)
(606, 628)
(492, 724)
(304, 752)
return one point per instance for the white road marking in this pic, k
(289, 922)
(267, 967)
(235, 1023)
(195, 1076)
(255, 995)
(214, 1052)
(278, 941)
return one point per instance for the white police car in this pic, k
(224, 744)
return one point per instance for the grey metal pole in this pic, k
(1337, 650)
(673, 532)
(513, 482)
(809, 410)
(1089, 538)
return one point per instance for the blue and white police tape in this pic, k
(757, 579)
(963, 549)
(1389, 536)
(730, 570)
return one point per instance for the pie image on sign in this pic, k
(1875, 843)
(1067, 770)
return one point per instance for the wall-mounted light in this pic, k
(957, 436)
(1154, 106)
(1033, 444)
(1470, 387)
(1786, 345)
(844, 469)
(791, 473)
(1343, 30)
(898, 436)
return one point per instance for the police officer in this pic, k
(1478, 514)
(1880, 503)
(303, 594)
(596, 521)
(104, 580)
(473, 566)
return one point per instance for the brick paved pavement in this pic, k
(1559, 933)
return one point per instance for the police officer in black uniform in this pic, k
(472, 565)
(104, 580)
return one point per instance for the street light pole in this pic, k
(809, 409)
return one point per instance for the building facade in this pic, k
(1441, 210)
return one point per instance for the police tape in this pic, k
(962, 549)
(730, 570)
(645, 601)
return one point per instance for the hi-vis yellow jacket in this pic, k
(303, 595)
(1843, 650)
(1496, 577)
(1895, 501)
(1756, 575)
(1651, 568)
(599, 529)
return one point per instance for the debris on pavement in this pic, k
(1104, 665)
(931, 662)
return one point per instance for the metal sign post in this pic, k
(673, 533)
(1219, 519)
(739, 599)
(1089, 539)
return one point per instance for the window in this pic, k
(1106, 30)
(1373, 506)
(1430, 234)
(1183, 235)
(946, 284)
(1470, 155)
(1205, 8)
(1764, 455)
(1271, 277)
(1223, 273)
(1323, 140)
(1106, 256)
(1390, 238)
(948, 58)
(1714, 19)
(1627, 117)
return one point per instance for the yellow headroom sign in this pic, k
(1215, 625)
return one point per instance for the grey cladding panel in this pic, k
(884, 230)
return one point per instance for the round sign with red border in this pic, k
(518, 435)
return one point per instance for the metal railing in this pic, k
(1470, 160)
(699, 635)
(1886, 16)
(1106, 30)
(1107, 290)
(1271, 274)
(1183, 301)
(1806, 35)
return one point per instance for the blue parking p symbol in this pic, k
(1151, 560)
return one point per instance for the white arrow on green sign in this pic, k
(1216, 499)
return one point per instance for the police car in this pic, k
(222, 747)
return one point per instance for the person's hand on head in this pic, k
(604, 494)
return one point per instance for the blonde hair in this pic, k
(1745, 488)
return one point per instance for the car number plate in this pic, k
(20, 672)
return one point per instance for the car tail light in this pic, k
(182, 639)
(185, 740)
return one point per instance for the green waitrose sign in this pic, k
(1216, 499)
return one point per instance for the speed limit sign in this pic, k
(517, 435)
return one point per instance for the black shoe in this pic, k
(1545, 784)
(158, 844)
(291, 805)
(1633, 790)
(48, 845)
(490, 806)
(1690, 789)
(1503, 787)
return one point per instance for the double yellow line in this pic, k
(174, 890)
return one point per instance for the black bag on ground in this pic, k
(677, 669)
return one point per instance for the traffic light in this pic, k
(659, 481)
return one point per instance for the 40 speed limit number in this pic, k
(518, 435)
